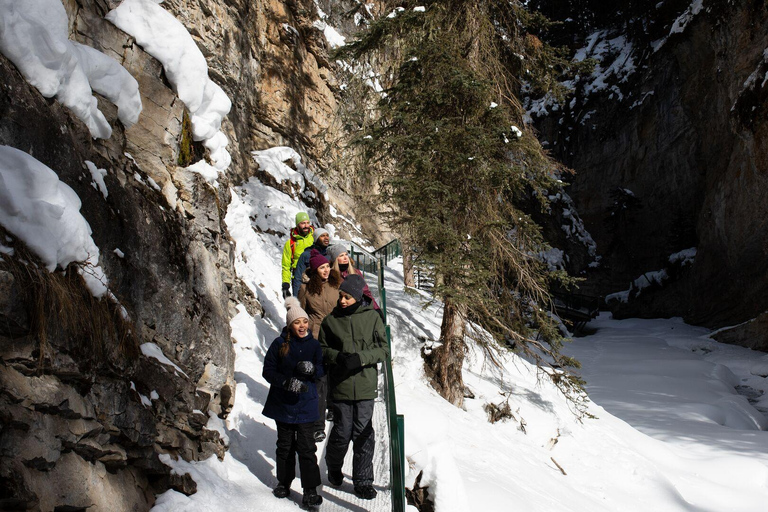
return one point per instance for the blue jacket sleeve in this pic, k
(271, 372)
(301, 267)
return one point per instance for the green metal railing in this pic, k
(364, 261)
(390, 251)
(395, 422)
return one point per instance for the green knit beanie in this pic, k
(301, 217)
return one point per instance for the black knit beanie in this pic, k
(353, 285)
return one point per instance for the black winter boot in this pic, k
(311, 498)
(281, 491)
(335, 477)
(365, 492)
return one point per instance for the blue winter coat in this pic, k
(282, 405)
(303, 264)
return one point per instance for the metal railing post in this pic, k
(396, 422)
(396, 441)
(383, 294)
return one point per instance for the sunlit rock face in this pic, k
(84, 430)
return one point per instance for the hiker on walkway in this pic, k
(322, 241)
(300, 238)
(340, 261)
(292, 364)
(354, 341)
(318, 296)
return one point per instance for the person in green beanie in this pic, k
(301, 238)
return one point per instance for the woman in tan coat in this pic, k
(318, 295)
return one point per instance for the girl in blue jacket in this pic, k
(292, 364)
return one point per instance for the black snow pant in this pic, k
(322, 397)
(298, 438)
(352, 421)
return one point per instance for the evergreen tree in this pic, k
(453, 162)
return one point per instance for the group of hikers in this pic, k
(324, 360)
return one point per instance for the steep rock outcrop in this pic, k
(679, 162)
(82, 429)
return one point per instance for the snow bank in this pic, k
(657, 277)
(333, 37)
(614, 61)
(273, 162)
(254, 210)
(98, 178)
(684, 19)
(155, 352)
(573, 226)
(207, 171)
(112, 81)
(44, 213)
(166, 39)
(34, 36)
(684, 257)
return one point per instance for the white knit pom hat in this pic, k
(294, 310)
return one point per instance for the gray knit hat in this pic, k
(334, 251)
(353, 285)
(294, 310)
(320, 231)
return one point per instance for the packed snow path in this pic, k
(343, 498)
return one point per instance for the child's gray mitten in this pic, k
(294, 385)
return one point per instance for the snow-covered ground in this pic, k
(671, 382)
(671, 433)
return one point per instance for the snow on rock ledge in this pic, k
(273, 162)
(44, 213)
(167, 40)
(34, 36)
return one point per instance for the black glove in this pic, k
(348, 362)
(305, 370)
(294, 385)
(286, 290)
(353, 362)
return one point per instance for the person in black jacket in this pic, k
(292, 364)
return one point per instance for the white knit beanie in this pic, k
(319, 232)
(294, 310)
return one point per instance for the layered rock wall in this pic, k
(82, 429)
(688, 142)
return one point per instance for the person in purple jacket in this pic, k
(292, 364)
(339, 257)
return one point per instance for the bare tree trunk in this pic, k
(407, 264)
(443, 364)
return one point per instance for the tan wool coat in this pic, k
(318, 306)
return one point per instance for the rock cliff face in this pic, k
(674, 157)
(83, 428)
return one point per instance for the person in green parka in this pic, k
(354, 341)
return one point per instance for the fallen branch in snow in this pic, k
(558, 466)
